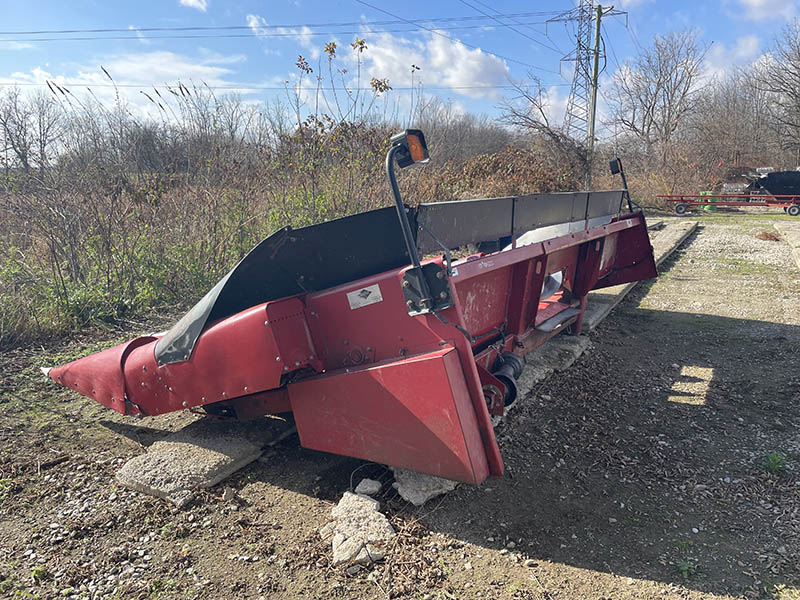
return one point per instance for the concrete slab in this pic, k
(602, 302)
(418, 488)
(791, 234)
(198, 456)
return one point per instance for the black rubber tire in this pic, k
(512, 359)
(793, 210)
(680, 208)
(511, 389)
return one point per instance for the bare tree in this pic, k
(779, 77)
(529, 111)
(732, 124)
(47, 127)
(652, 96)
(15, 120)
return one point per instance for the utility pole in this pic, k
(593, 97)
(579, 121)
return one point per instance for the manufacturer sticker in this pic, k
(365, 296)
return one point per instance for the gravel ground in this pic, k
(664, 464)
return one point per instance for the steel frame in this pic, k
(366, 377)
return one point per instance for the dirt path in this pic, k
(640, 473)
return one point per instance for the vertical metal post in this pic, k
(401, 210)
(593, 98)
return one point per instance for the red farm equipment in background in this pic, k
(379, 354)
(780, 189)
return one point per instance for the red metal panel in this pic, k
(632, 260)
(484, 300)
(347, 333)
(234, 357)
(414, 413)
(99, 376)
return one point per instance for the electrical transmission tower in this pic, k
(576, 119)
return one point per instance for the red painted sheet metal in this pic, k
(100, 376)
(349, 331)
(484, 300)
(469, 368)
(627, 256)
(234, 357)
(237, 356)
(415, 413)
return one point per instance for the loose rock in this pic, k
(358, 530)
(368, 487)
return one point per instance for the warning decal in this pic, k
(365, 296)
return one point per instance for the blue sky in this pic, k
(260, 55)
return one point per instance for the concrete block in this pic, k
(198, 456)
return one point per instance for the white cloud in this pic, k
(759, 10)
(201, 5)
(746, 47)
(555, 105)
(720, 58)
(141, 71)
(260, 28)
(443, 63)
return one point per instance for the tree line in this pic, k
(108, 211)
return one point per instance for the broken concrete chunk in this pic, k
(357, 531)
(368, 487)
(418, 488)
(198, 456)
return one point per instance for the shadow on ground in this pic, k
(645, 459)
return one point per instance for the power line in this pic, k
(267, 26)
(610, 45)
(525, 35)
(282, 34)
(245, 86)
(528, 25)
(447, 37)
(633, 36)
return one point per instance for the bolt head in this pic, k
(405, 283)
(184, 403)
(409, 303)
(443, 295)
(440, 275)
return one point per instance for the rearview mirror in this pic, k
(615, 165)
(411, 148)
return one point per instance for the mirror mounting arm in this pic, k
(401, 209)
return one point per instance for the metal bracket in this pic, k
(426, 289)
